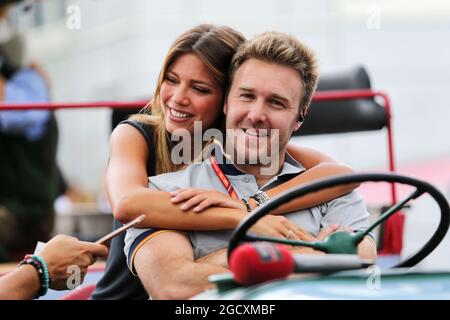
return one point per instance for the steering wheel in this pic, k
(343, 242)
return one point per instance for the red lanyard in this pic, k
(226, 183)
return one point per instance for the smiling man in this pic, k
(261, 109)
(272, 80)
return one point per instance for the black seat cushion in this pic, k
(346, 115)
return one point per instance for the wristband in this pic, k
(41, 267)
(260, 197)
(247, 205)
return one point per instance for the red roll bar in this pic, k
(361, 94)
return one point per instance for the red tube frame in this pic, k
(319, 96)
(361, 94)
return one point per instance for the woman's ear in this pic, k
(225, 106)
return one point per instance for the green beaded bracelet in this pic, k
(47, 280)
(41, 270)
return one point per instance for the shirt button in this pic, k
(246, 179)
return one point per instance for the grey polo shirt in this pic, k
(348, 210)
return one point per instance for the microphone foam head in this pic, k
(257, 262)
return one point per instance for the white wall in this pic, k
(119, 49)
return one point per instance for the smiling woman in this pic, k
(190, 86)
(189, 93)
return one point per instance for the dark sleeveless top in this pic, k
(118, 282)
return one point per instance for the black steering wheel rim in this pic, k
(241, 231)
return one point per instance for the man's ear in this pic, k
(297, 126)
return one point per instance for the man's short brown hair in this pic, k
(283, 49)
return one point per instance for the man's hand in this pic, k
(63, 251)
(204, 198)
(323, 234)
(280, 227)
(366, 249)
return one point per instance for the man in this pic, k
(28, 142)
(273, 78)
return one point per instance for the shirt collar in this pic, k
(290, 166)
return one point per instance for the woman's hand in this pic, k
(280, 227)
(63, 252)
(201, 199)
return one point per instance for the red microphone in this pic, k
(256, 262)
(253, 263)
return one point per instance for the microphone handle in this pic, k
(328, 263)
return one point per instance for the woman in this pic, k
(190, 88)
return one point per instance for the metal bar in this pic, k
(343, 95)
(387, 105)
